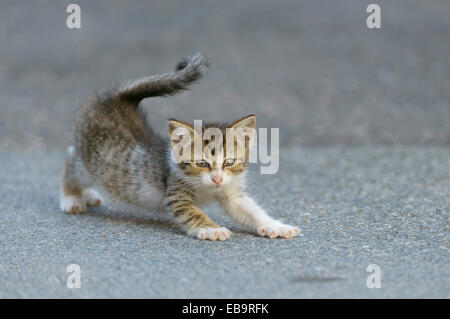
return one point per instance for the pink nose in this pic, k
(217, 179)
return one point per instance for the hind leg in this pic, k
(91, 197)
(76, 193)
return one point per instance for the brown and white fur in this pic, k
(116, 153)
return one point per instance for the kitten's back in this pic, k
(113, 139)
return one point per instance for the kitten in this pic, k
(117, 152)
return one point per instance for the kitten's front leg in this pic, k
(195, 222)
(244, 211)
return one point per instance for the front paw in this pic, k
(278, 229)
(210, 233)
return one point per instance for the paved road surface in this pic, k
(355, 205)
(309, 67)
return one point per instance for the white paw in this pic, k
(72, 205)
(277, 229)
(92, 197)
(220, 233)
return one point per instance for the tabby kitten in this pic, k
(117, 153)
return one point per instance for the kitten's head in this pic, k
(215, 155)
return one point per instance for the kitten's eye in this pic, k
(228, 162)
(202, 163)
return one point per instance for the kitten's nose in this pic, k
(217, 179)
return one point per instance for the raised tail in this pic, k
(187, 71)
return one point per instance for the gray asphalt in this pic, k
(356, 206)
(310, 68)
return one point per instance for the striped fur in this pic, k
(117, 155)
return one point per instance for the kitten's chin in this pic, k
(214, 186)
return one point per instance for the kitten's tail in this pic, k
(187, 71)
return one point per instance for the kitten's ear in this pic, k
(245, 122)
(245, 128)
(178, 129)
